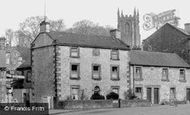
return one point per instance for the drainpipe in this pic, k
(133, 80)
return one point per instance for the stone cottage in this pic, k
(159, 76)
(69, 66)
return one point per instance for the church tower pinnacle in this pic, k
(129, 28)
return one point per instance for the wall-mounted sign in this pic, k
(157, 20)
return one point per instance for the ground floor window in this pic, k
(75, 92)
(138, 92)
(172, 93)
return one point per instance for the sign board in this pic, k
(152, 20)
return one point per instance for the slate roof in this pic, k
(25, 54)
(159, 59)
(73, 39)
(2, 59)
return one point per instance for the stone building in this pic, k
(159, 76)
(69, 66)
(3, 89)
(170, 39)
(129, 27)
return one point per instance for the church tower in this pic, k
(129, 28)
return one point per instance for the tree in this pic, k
(88, 27)
(10, 39)
(29, 29)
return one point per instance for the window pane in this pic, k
(138, 72)
(114, 54)
(165, 73)
(74, 67)
(75, 92)
(96, 72)
(74, 52)
(182, 74)
(95, 68)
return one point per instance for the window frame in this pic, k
(78, 71)
(111, 73)
(184, 76)
(71, 91)
(167, 77)
(99, 65)
(140, 78)
(78, 52)
(111, 54)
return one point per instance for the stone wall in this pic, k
(43, 73)
(86, 82)
(101, 104)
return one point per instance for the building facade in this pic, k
(69, 66)
(129, 27)
(170, 39)
(159, 77)
(3, 85)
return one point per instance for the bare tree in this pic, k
(88, 27)
(29, 29)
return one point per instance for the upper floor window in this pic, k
(75, 92)
(114, 72)
(165, 74)
(74, 52)
(182, 75)
(75, 71)
(115, 54)
(138, 73)
(96, 52)
(96, 72)
(8, 58)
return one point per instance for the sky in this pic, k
(103, 12)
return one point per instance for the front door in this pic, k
(149, 93)
(156, 95)
(188, 94)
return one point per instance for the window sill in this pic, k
(114, 59)
(97, 79)
(165, 80)
(74, 56)
(115, 79)
(138, 79)
(75, 78)
(182, 81)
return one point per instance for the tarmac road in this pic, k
(154, 110)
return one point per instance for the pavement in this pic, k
(154, 110)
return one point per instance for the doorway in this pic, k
(156, 95)
(188, 94)
(149, 94)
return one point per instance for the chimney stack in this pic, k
(44, 26)
(187, 27)
(115, 33)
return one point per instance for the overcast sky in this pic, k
(103, 12)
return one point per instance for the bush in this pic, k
(112, 95)
(129, 95)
